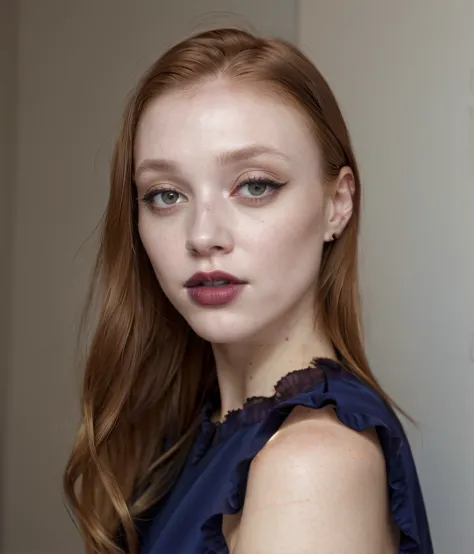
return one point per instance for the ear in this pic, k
(339, 204)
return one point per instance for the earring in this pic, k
(334, 236)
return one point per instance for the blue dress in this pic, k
(213, 481)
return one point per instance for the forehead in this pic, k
(218, 116)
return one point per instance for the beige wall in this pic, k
(404, 74)
(8, 68)
(77, 61)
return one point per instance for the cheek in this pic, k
(161, 245)
(287, 245)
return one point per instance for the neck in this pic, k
(252, 367)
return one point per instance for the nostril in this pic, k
(204, 249)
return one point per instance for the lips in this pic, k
(212, 279)
(214, 289)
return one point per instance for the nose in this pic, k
(210, 234)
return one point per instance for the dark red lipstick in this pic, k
(215, 288)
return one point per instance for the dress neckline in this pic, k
(256, 408)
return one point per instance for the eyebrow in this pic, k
(224, 158)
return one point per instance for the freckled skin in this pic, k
(275, 246)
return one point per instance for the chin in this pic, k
(221, 328)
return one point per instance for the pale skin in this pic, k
(317, 486)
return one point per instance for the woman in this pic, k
(228, 405)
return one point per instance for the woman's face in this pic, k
(229, 180)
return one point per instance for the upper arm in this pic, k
(317, 487)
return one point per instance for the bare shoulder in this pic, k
(310, 436)
(317, 485)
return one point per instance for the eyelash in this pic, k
(270, 183)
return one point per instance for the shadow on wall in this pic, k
(8, 135)
(58, 69)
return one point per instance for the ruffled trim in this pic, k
(256, 408)
(391, 437)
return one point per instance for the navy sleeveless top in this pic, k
(213, 480)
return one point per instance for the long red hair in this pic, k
(147, 372)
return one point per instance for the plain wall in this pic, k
(77, 62)
(404, 75)
(8, 80)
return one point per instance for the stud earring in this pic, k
(334, 236)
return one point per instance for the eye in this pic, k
(163, 198)
(258, 187)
